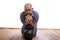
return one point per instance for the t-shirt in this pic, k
(35, 17)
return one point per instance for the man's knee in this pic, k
(22, 30)
(35, 31)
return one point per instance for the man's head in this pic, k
(28, 8)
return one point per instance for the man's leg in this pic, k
(35, 31)
(22, 30)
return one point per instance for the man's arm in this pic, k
(25, 22)
(35, 18)
(29, 18)
(23, 19)
(30, 22)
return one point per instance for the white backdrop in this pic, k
(49, 13)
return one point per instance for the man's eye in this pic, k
(28, 10)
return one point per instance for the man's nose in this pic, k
(27, 11)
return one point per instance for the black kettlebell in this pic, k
(28, 32)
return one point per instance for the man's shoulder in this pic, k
(35, 12)
(22, 13)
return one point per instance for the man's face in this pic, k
(28, 9)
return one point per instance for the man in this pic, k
(32, 18)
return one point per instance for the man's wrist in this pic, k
(30, 22)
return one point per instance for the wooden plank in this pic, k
(15, 34)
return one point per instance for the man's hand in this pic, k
(28, 18)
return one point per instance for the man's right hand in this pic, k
(28, 17)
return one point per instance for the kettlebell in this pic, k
(28, 32)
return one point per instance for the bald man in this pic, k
(29, 16)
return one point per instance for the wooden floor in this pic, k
(43, 34)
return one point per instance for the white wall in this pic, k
(49, 13)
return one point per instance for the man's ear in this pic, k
(32, 8)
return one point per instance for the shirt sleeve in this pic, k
(22, 18)
(35, 17)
